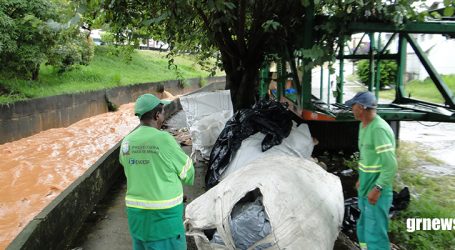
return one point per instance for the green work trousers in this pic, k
(175, 243)
(373, 222)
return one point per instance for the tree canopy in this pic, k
(242, 33)
(36, 32)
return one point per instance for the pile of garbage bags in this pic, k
(269, 194)
(270, 118)
(299, 143)
(302, 203)
(206, 115)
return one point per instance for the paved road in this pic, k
(438, 139)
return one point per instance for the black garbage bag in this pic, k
(352, 212)
(249, 224)
(266, 116)
(401, 200)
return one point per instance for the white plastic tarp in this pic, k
(206, 115)
(299, 143)
(304, 204)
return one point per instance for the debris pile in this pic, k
(302, 202)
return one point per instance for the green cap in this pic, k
(145, 103)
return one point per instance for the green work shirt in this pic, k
(377, 164)
(155, 167)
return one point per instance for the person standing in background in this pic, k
(164, 95)
(377, 168)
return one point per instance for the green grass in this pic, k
(432, 197)
(423, 90)
(105, 71)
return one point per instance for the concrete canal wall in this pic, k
(28, 117)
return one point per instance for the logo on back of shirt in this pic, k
(125, 148)
(139, 162)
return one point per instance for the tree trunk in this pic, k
(243, 86)
(242, 77)
(35, 73)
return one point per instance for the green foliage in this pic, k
(245, 32)
(72, 50)
(26, 35)
(432, 197)
(105, 71)
(423, 90)
(271, 25)
(422, 207)
(124, 53)
(202, 82)
(117, 79)
(34, 32)
(108, 38)
(426, 90)
(388, 72)
(353, 161)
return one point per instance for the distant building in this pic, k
(153, 45)
(150, 44)
(438, 50)
(96, 36)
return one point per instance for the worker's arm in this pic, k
(180, 162)
(386, 151)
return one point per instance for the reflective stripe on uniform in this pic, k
(384, 148)
(185, 168)
(369, 169)
(145, 204)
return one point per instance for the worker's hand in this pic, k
(357, 184)
(373, 196)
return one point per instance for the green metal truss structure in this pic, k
(402, 108)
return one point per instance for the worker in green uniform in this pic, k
(155, 167)
(377, 168)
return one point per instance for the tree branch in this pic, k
(241, 26)
(223, 44)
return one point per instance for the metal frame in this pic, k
(402, 108)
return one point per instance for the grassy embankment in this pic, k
(105, 71)
(431, 197)
(423, 90)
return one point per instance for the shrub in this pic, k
(26, 36)
(74, 49)
(388, 72)
(33, 33)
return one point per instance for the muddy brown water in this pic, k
(34, 170)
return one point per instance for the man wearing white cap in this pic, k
(377, 168)
(155, 168)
